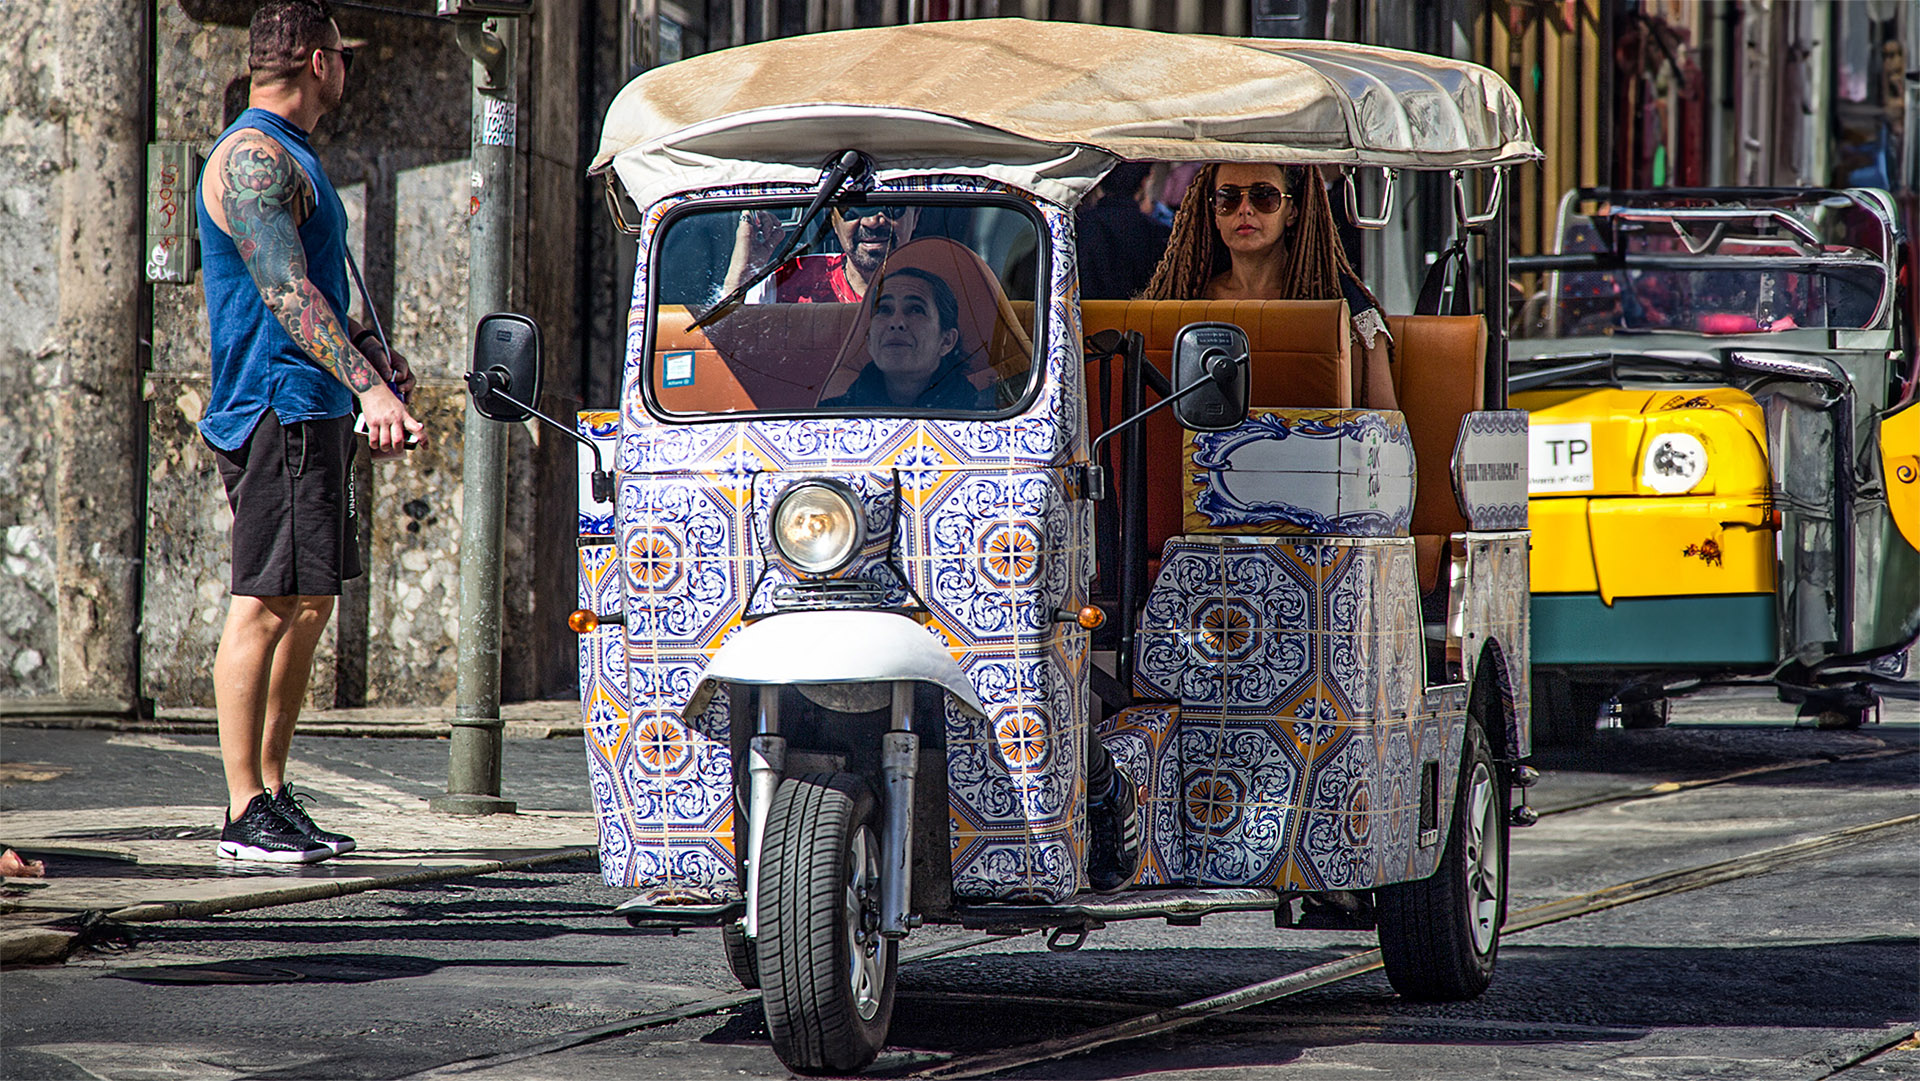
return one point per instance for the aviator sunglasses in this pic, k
(855, 213)
(1264, 197)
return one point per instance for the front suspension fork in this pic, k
(899, 763)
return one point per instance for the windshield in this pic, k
(885, 306)
(1715, 266)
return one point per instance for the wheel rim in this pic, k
(865, 973)
(1483, 862)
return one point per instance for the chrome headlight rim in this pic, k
(856, 513)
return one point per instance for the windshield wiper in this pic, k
(848, 165)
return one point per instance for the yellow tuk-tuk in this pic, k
(1725, 445)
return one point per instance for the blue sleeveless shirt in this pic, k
(256, 365)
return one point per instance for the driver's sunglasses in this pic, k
(855, 213)
(346, 56)
(1264, 197)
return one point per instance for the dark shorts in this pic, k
(295, 532)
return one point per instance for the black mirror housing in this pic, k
(505, 378)
(1211, 359)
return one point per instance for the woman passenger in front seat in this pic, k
(916, 356)
(1266, 232)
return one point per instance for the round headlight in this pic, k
(1675, 462)
(817, 526)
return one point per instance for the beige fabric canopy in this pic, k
(1049, 106)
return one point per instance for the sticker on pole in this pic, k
(497, 123)
(1559, 458)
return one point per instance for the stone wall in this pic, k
(32, 154)
(126, 452)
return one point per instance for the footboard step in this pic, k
(1178, 903)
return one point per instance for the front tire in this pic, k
(1439, 936)
(826, 974)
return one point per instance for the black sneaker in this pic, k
(261, 834)
(1113, 820)
(288, 806)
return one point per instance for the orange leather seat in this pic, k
(793, 347)
(1439, 375)
(1300, 359)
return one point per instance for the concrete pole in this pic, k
(473, 770)
(99, 419)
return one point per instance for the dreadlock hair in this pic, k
(284, 34)
(1315, 259)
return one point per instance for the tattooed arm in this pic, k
(264, 196)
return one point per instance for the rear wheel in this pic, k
(1564, 713)
(1648, 714)
(826, 974)
(1439, 936)
(740, 959)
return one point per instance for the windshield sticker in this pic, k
(1560, 458)
(676, 368)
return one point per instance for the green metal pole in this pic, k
(473, 770)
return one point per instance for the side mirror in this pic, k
(505, 380)
(1210, 382)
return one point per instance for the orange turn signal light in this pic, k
(1091, 617)
(583, 621)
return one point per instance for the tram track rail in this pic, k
(1148, 1021)
(1191, 1013)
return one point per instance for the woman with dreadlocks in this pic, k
(1266, 232)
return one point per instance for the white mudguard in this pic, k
(813, 648)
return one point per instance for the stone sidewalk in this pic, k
(133, 864)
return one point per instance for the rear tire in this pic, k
(1439, 936)
(1562, 717)
(740, 957)
(826, 974)
(1644, 715)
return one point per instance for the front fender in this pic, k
(833, 647)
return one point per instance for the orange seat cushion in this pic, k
(1439, 375)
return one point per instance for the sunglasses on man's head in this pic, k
(855, 213)
(1264, 197)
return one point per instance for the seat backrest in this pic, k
(1439, 370)
(1300, 359)
(791, 349)
(1300, 348)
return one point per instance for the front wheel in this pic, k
(826, 973)
(1439, 936)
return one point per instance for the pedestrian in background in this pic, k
(288, 371)
(1120, 243)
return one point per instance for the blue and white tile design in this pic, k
(1303, 772)
(1338, 473)
(978, 522)
(1490, 469)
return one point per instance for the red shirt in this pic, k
(815, 279)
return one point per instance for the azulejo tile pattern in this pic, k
(1327, 472)
(1497, 628)
(975, 515)
(596, 518)
(1490, 468)
(1298, 715)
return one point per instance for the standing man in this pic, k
(288, 367)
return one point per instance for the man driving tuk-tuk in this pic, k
(950, 597)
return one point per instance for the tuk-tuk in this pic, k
(1723, 472)
(848, 657)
